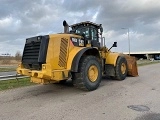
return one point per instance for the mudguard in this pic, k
(111, 58)
(77, 55)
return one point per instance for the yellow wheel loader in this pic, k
(79, 54)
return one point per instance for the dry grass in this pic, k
(9, 62)
(7, 66)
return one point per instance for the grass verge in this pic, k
(7, 69)
(10, 84)
(146, 62)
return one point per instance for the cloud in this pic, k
(26, 18)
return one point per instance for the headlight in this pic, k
(44, 67)
(74, 39)
(81, 42)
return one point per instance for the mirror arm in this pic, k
(110, 48)
(114, 45)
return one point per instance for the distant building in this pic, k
(146, 54)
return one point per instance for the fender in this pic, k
(71, 56)
(111, 58)
(75, 56)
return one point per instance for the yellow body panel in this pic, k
(39, 80)
(71, 56)
(54, 50)
(111, 58)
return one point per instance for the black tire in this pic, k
(62, 81)
(113, 77)
(82, 79)
(121, 63)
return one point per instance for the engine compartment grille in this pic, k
(31, 51)
(63, 52)
(34, 53)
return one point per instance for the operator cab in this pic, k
(89, 31)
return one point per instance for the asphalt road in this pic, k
(7, 73)
(136, 98)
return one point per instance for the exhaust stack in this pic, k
(66, 27)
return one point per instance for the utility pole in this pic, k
(128, 40)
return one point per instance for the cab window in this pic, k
(94, 34)
(84, 31)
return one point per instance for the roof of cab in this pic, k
(86, 22)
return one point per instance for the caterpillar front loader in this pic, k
(79, 54)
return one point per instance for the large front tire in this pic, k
(121, 68)
(89, 73)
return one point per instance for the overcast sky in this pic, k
(21, 19)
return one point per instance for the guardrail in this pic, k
(10, 77)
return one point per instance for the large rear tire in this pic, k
(89, 73)
(121, 68)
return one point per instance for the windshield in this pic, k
(82, 31)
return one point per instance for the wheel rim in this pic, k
(123, 68)
(93, 73)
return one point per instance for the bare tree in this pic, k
(18, 56)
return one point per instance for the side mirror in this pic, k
(114, 44)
